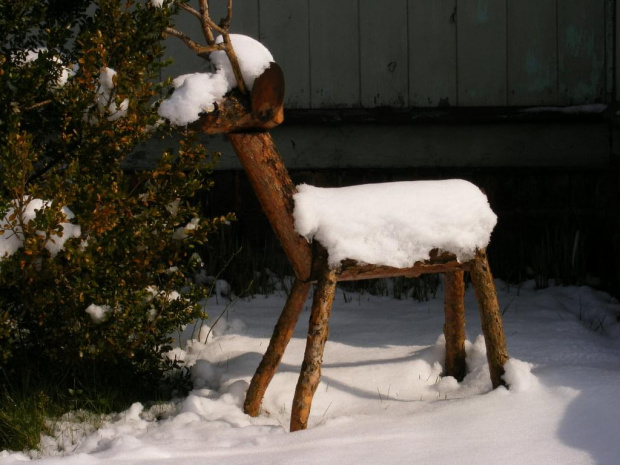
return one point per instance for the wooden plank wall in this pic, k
(429, 53)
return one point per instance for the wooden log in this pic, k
(454, 326)
(263, 110)
(280, 338)
(490, 316)
(350, 270)
(273, 187)
(318, 331)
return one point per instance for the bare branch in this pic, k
(200, 50)
(226, 21)
(190, 10)
(204, 22)
(215, 27)
(208, 26)
(179, 35)
(38, 105)
(234, 62)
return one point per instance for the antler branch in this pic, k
(208, 26)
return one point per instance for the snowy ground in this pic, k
(382, 399)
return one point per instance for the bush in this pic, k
(96, 262)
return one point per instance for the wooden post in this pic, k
(273, 187)
(318, 331)
(279, 340)
(490, 316)
(454, 326)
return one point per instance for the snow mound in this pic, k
(518, 375)
(199, 92)
(194, 93)
(395, 224)
(254, 58)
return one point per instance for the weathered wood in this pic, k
(532, 53)
(273, 187)
(280, 338)
(263, 111)
(490, 317)
(432, 53)
(581, 48)
(384, 68)
(284, 29)
(350, 270)
(334, 54)
(454, 326)
(481, 35)
(318, 330)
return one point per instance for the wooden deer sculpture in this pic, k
(246, 120)
(271, 182)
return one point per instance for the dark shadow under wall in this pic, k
(554, 225)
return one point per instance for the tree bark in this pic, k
(454, 326)
(490, 316)
(274, 189)
(350, 270)
(282, 334)
(318, 331)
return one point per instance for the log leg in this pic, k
(282, 334)
(454, 327)
(490, 316)
(318, 330)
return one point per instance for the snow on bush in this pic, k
(13, 237)
(98, 313)
(199, 92)
(395, 224)
(105, 95)
(65, 73)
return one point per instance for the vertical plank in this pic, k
(581, 49)
(284, 29)
(383, 53)
(610, 11)
(334, 54)
(532, 52)
(617, 57)
(481, 61)
(432, 53)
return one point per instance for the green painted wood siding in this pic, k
(430, 53)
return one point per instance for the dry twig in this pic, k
(208, 26)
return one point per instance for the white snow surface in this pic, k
(254, 58)
(382, 398)
(395, 224)
(98, 313)
(13, 237)
(105, 95)
(193, 94)
(199, 92)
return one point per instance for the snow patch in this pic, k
(98, 313)
(254, 58)
(518, 375)
(395, 224)
(199, 92)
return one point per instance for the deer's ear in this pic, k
(267, 97)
